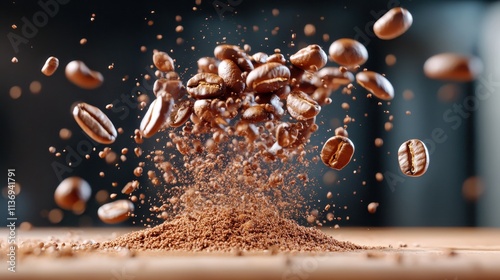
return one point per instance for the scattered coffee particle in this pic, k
(372, 207)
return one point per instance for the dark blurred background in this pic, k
(463, 148)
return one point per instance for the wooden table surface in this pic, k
(410, 253)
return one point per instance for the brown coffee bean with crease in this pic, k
(205, 85)
(348, 52)
(311, 58)
(256, 113)
(163, 61)
(301, 106)
(157, 115)
(116, 211)
(286, 134)
(72, 193)
(79, 74)
(95, 123)
(413, 158)
(376, 84)
(50, 66)
(337, 152)
(268, 77)
(231, 74)
(180, 113)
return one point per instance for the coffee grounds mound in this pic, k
(224, 229)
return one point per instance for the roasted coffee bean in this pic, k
(413, 158)
(453, 67)
(72, 194)
(203, 110)
(337, 152)
(311, 58)
(259, 58)
(205, 85)
(256, 113)
(95, 123)
(172, 76)
(348, 52)
(301, 106)
(50, 66)
(393, 23)
(163, 61)
(268, 77)
(207, 65)
(278, 58)
(79, 74)
(286, 134)
(332, 77)
(180, 113)
(231, 74)
(130, 187)
(116, 211)
(157, 114)
(231, 52)
(376, 84)
(173, 87)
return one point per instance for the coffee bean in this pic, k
(130, 187)
(332, 77)
(203, 110)
(376, 84)
(231, 74)
(337, 152)
(174, 87)
(180, 113)
(348, 52)
(205, 85)
(256, 113)
(157, 115)
(72, 193)
(231, 52)
(393, 23)
(259, 58)
(322, 95)
(50, 66)
(163, 61)
(311, 58)
(301, 106)
(116, 211)
(79, 74)
(268, 77)
(95, 123)
(286, 134)
(453, 67)
(413, 158)
(207, 65)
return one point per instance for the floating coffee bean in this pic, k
(203, 110)
(256, 113)
(79, 74)
(348, 52)
(376, 84)
(95, 123)
(268, 77)
(286, 134)
(231, 74)
(301, 106)
(413, 158)
(207, 65)
(393, 23)
(205, 85)
(332, 77)
(157, 115)
(337, 152)
(163, 61)
(340, 131)
(50, 66)
(72, 194)
(180, 113)
(310, 58)
(453, 67)
(130, 187)
(277, 57)
(116, 211)
(231, 52)
(259, 58)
